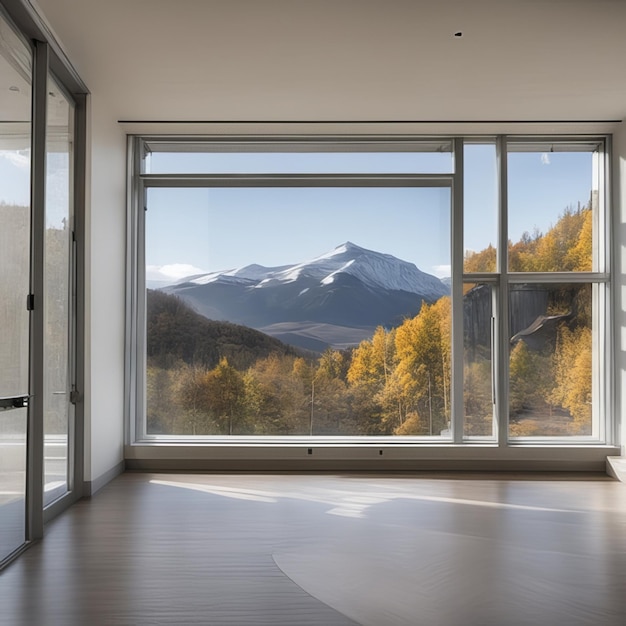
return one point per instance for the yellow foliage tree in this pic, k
(566, 247)
(373, 361)
(579, 257)
(278, 394)
(423, 352)
(331, 365)
(572, 365)
(483, 261)
(223, 390)
(528, 374)
(412, 425)
(190, 390)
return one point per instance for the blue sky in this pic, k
(236, 227)
(15, 177)
(217, 229)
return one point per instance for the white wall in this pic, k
(619, 189)
(104, 295)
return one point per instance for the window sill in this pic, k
(375, 456)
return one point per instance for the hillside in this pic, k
(177, 333)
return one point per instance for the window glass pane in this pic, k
(477, 372)
(293, 311)
(299, 159)
(553, 206)
(480, 208)
(550, 363)
(15, 140)
(57, 292)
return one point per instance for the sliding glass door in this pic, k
(38, 302)
(15, 237)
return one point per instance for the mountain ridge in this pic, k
(375, 269)
(346, 289)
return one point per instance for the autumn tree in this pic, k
(528, 375)
(373, 361)
(553, 253)
(579, 257)
(332, 364)
(223, 389)
(565, 247)
(412, 425)
(477, 397)
(277, 396)
(162, 404)
(329, 403)
(423, 353)
(483, 261)
(190, 391)
(369, 375)
(572, 365)
(522, 254)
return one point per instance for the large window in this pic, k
(412, 290)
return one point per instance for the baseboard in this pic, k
(91, 487)
(196, 465)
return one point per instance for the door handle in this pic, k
(13, 402)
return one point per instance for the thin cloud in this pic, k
(18, 158)
(442, 271)
(172, 272)
(545, 159)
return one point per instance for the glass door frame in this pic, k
(49, 60)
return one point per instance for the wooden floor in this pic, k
(444, 550)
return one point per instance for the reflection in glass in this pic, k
(15, 140)
(57, 292)
(550, 363)
(12, 480)
(477, 360)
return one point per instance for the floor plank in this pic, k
(423, 549)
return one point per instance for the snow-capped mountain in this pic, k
(347, 288)
(244, 275)
(374, 269)
(158, 276)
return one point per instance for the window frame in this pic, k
(140, 181)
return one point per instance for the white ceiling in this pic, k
(314, 60)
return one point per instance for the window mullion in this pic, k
(35, 439)
(457, 408)
(501, 348)
(296, 180)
